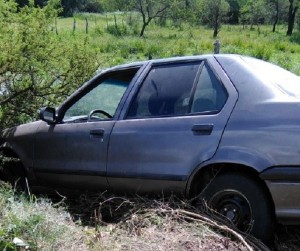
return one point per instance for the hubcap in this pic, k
(234, 206)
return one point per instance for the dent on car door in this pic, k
(173, 124)
(73, 153)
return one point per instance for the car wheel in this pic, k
(242, 200)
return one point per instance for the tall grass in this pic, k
(37, 222)
(116, 41)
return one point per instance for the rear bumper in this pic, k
(284, 186)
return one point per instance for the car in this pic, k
(221, 129)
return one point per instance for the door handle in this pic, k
(203, 129)
(97, 132)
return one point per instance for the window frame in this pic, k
(209, 67)
(202, 63)
(93, 83)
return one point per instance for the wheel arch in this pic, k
(9, 152)
(14, 162)
(205, 173)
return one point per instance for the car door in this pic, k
(73, 152)
(174, 123)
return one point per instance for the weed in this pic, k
(38, 222)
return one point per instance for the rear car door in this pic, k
(174, 122)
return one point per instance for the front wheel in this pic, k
(242, 200)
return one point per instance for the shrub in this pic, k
(117, 30)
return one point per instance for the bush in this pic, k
(117, 30)
(34, 60)
(93, 7)
(295, 38)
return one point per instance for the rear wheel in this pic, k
(242, 200)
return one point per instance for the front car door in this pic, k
(73, 152)
(173, 124)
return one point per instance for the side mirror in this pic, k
(47, 114)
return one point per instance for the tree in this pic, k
(234, 11)
(293, 8)
(37, 67)
(214, 13)
(254, 12)
(71, 6)
(93, 6)
(116, 5)
(150, 9)
(22, 3)
(278, 9)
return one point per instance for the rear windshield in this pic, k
(284, 80)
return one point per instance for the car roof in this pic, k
(162, 60)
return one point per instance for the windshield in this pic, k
(284, 80)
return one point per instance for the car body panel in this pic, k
(75, 154)
(258, 128)
(170, 149)
(20, 141)
(72, 149)
(266, 136)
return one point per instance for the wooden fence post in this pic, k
(56, 31)
(74, 25)
(86, 26)
(116, 24)
(217, 46)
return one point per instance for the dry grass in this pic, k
(106, 222)
(38, 222)
(287, 238)
(140, 223)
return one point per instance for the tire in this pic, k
(244, 201)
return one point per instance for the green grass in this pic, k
(37, 222)
(114, 46)
(48, 226)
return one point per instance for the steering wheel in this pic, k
(98, 111)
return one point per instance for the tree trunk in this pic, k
(276, 16)
(216, 31)
(216, 24)
(143, 30)
(291, 18)
(145, 24)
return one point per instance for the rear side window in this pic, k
(178, 89)
(210, 95)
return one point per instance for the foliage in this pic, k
(213, 13)
(42, 62)
(36, 67)
(93, 6)
(150, 9)
(293, 8)
(237, 11)
(254, 12)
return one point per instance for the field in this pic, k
(113, 223)
(115, 41)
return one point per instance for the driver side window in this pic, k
(103, 99)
